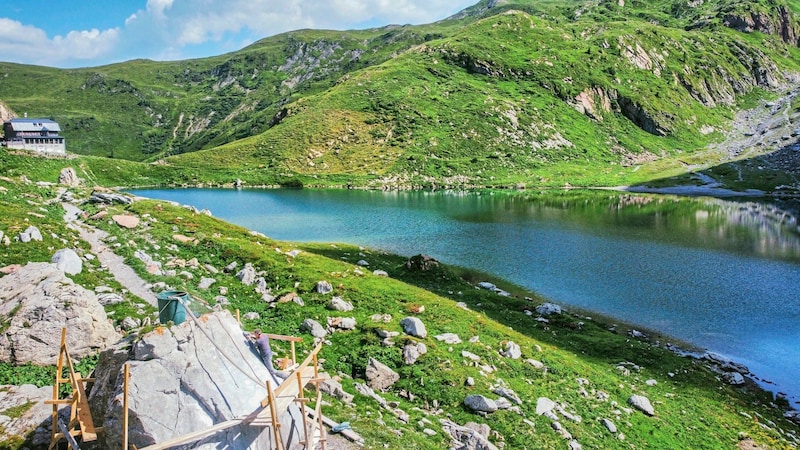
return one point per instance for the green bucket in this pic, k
(171, 306)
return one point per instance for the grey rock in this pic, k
(335, 389)
(641, 403)
(412, 352)
(544, 405)
(206, 283)
(230, 268)
(547, 309)
(471, 356)
(314, 327)
(726, 363)
(247, 275)
(38, 301)
(222, 300)
(508, 393)
(380, 273)
(414, 327)
(465, 437)
(480, 403)
(733, 378)
(30, 234)
(129, 323)
(109, 198)
(512, 350)
(486, 285)
(110, 299)
(470, 381)
(252, 315)
(502, 403)
(609, 425)
(67, 260)
(448, 338)
(68, 177)
(261, 286)
(338, 304)
(323, 287)
(362, 263)
(379, 376)
(575, 445)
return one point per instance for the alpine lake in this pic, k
(721, 275)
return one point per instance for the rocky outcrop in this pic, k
(38, 301)
(68, 177)
(36, 413)
(185, 379)
(782, 23)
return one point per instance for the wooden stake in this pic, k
(125, 407)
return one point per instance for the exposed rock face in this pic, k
(185, 379)
(38, 301)
(782, 24)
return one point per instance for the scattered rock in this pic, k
(544, 405)
(512, 350)
(67, 260)
(379, 376)
(109, 198)
(637, 334)
(508, 393)
(414, 327)
(380, 273)
(486, 285)
(314, 327)
(338, 304)
(184, 239)
(466, 437)
(535, 363)
(206, 283)
(247, 275)
(480, 403)
(412, 352)
(362, 263)
(109, 298)
(126, 220)
(335, 389)
(129, 323)
(230, 267)
(609, 425)
(30, 234)
(547, 309)
(251, 315)
(323, 287)
(642, 404)
(448, 338)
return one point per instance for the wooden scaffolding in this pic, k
(80, 418)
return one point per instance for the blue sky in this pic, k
(84, 33)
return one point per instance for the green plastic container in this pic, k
(172, 306)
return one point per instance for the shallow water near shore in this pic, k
(721, 275)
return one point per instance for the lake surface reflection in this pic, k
(722, 275)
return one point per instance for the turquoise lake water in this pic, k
(722, 275)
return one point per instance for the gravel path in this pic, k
(115, 263)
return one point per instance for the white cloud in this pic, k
(31, 45)
(173, 29)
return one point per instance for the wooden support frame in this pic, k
(80, 420)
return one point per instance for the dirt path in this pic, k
(123, 273)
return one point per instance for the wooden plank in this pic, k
(196, 435)
(66, 434)
(88, 432)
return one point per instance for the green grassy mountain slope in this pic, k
(524, 92)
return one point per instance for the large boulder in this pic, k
(185, 379)
(68, 177)
(38, 301)
(38, 415)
